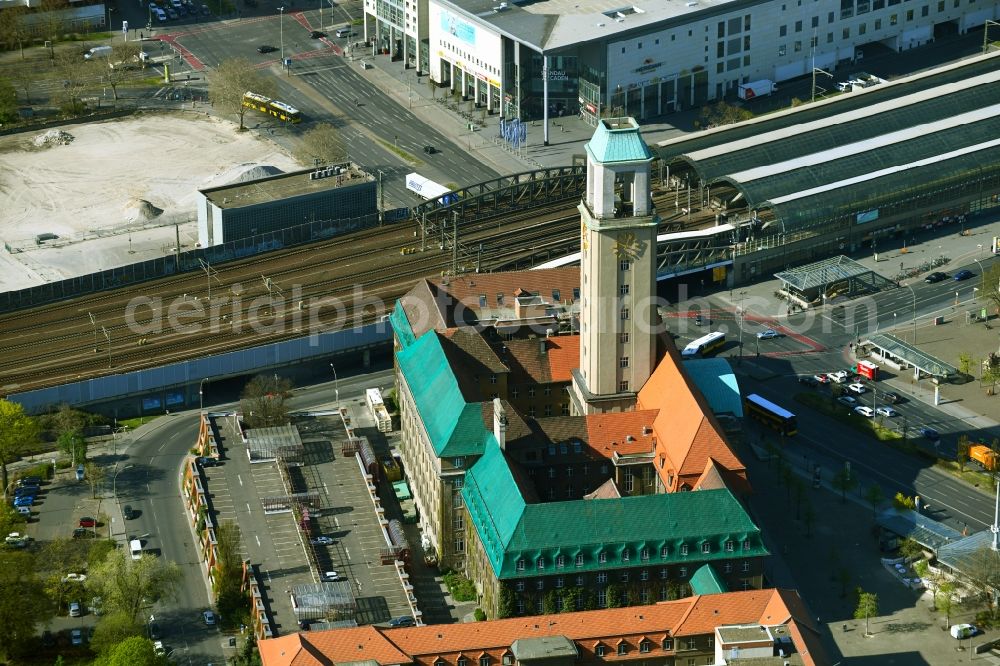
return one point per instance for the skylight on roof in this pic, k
(623, 12)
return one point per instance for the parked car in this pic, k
(402, 621)
(768, 334)
(322, 541)
(24, 500)
(962, 275)
(24, 511)
(888, 412)
(128, 512)
(808, 381)
(171, 13)
(961, 631)
(74, 609)
(29, 481)
(864, 410)
(332, 576)
(929, 433)
(857, 388)
(76, 637)
(317, 34)
(87, 521)
(83, 533)
(936, 276)
(266, 48)
(207, 462)
(430, 150)
(847, 400)
(821, 378)
(209, 618)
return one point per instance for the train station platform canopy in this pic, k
(969, 554)
(926, 531)
(905, 138)
(888, 347)
(829, 278)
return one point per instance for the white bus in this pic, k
(425, 188)
(377, 408)
(704, 345)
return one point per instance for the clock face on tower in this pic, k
(627, 246)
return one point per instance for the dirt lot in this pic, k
(114, 191)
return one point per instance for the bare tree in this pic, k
(322, 144)
(74, 71)
(124, 56)
(95, 477)
(263, 401)
(231, 80)
(12, 27)
(52, 18)
(983, 572)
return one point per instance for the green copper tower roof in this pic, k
(618, 140)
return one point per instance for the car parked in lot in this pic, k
(322, 541)
(961, 631)
(128, 513)
(266, 48)
(332, 576)
(840, 376)
(857, 388)
(808, 381)
(768, 334)
(209, 618)
(83, 533)
(402, 621)
(76, 637)
(205, 461)
(936, 276)
(75, 610)
(822, 378)
(864, 410)
(87, 521)
(847, 400)
(29, 481)
(24, 500)
(962, 275)
(887, 412)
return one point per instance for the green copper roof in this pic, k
(706, 581)
(618, 140)
(454, 426)
(626, 532)
(401, 325)
(715, 379)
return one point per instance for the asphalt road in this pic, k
(819, 344)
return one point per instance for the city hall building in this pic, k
(533, 59)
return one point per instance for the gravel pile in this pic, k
(51, 138)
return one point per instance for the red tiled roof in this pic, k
(693, 616)
(610, 432)
(564, 356)
(468, 288)
(688, 435)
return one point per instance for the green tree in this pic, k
(133, 651)
(964, 362)
(74, 445)
(945, 600)
(95, 477)
(111, 630)
(125, 585)
(614, 596)
(990, 287)
(867, 608)
(263, 401)
(903, 502)
(923, 569)
(233, 602)
(231, 79)
(322, 144)
(875, 496)
(910, 549)
(723, 113)
(18, 431)
(844, 481)
(549, 603)
(23, 604)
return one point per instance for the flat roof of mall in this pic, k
(286, 185)
(555, 24)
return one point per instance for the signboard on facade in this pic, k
(458, 28)
(867, 216)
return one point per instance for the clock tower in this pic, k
(617, 271)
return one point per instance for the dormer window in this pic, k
(560, 562)
(684, 549)
(599, 650)
(541, 563)
(625, 555)
(622, 648)
(602, 558)
(520, 564)
(730, 546)
(644, 646)
(579, 560)
(462, 661)
(706, 548)
(644, 554)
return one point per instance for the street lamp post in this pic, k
(201, 401)
(281, 32)
(336, 388)
(914, 294)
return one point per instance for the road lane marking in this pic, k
(258, 545)
(239, 478)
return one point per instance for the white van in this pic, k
(135, 546)
(98, 52)
(346, 31)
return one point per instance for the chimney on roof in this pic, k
(500, 423)
(646, 430)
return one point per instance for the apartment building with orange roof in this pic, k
(762, 627)
(540, 474)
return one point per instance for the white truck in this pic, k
(754, 89)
